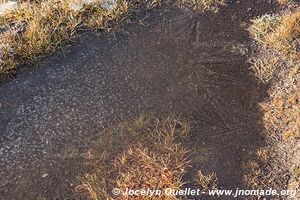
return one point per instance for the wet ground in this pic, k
(176, 61)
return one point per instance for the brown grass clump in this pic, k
(144, 153)
(264, 67)
(203, 5)
(261, 27)
(42, 28)
(263, 154)
(265, 63)
(286, 36)
(284, 2)
(143, 168)
(207, 181)
(280, 32)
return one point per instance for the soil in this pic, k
(169, 61)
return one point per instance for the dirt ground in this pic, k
(169, 61)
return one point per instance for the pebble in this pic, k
(45, 175)
(7, 6)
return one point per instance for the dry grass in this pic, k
(208, 181)
(37, 29)
(144, 153)
(143, 168)
(274, 163)
(273, 166)
(265, 63)
(283, 113)
(262, 26)
(203, 5)
(284, 2)
(265, 67)
(280, 32)
(286, 36)
(41, 28)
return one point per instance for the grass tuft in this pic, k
(262, 26)
(286, 36)
(265, 67)
(281, 35)
(143, 153)
(281, 32)
(207, 181)
(285, 2)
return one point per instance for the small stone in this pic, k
(7, 6)
(109, 4)
(106, 4)
(45, 175)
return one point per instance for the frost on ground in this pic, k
(277, 63)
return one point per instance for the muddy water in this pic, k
(181, 62)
